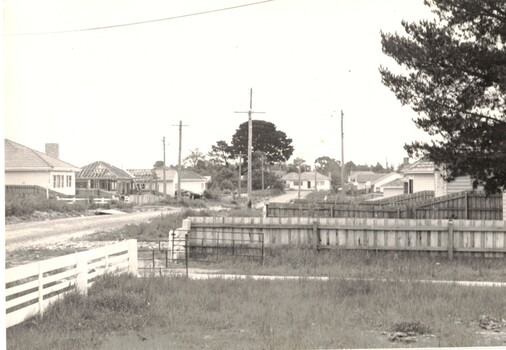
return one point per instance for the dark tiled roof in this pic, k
(364, 176)
(21, 157)
(421, 166)
(306, 176)
(103, 170)
(190, 175)
(395, 183)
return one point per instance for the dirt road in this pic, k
(284, 198)
(30, 234)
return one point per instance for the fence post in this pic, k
(41, 289)
(450, 239)
(133, 263)
(466, 208)
(82, 273)
(186, 247)
(316, 235)
(265, 212)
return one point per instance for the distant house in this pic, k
(106, 177)
(193, 182)
(378, 184)
(393, 188)
(144, 179)
(419, 176)
(363, 179)
(443, 187)
(170, 181)
(25, 166)
(308, 181)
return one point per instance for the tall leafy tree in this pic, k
(273, 143)
(220, 153)
(455, 79)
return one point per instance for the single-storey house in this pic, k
(26, 166)
(393, 188)
(419, 176)
(170, 181)
(106, 177)
(378, 184)
(144, 180)
(193, 182)
(443, 187)
(308, 181)
(363, 179)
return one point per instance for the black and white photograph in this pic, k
(254, 174)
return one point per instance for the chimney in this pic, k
(53, 150)
(406, 161)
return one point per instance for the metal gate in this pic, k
(173, 255)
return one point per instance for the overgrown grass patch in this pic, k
(259, 314)
(160, 227)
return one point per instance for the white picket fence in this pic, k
(30, 288)
(95, 200)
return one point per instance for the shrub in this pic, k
(211, 194)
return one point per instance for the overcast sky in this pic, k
(112, 94)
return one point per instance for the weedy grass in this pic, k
(186, 314)
(305, 261)
(160, 227)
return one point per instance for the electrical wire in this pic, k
(144, 22)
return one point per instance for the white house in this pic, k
(171, 180)
(443, 187)
(313, 181)
(193, 182)
(363, 179)
(419, 176)
(26, 166)
(393, 188)
(378, 184)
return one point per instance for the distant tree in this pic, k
(195, 160)
(378, 168)
(455, 79)
(326, 165)
(274, 144)
(158, 164)
(220, 153)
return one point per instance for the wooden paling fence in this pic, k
(30, 288)
(448, 237)
(462, 205)
(35, 190)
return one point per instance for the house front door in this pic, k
(309, 184)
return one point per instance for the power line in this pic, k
(148, 21)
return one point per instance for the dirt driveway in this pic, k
(284, 198)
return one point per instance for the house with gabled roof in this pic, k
(378, 184)
(393, 188)
(363, 179)
(144, 179)
(26, 166)
(193, 182)
(419, 176)
(103, 176)
(170, 181)
(308, 181)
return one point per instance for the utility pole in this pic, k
(240, 177)
(263, 185)
(179, 160)
(315, 179)
(299, 182)
(164, 167)
(342, 155)
(250, 142)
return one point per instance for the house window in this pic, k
(296, 183)
(69, 181)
